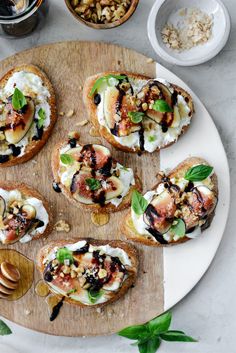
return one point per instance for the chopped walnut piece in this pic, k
(62, 226)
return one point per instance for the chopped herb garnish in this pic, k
(93, 184)
(136, 117)
(74, 290)
(94, 295)
(152, 138)
(104, 79)
(18, 99)
(64, 254)
(66, 159)
(160, 105)
(41, 117)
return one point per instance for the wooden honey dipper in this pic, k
(9, 279)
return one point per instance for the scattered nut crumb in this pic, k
(62, 226)
(80, 88)
(28, 312)
(61, 113)
(150, 60)
(82, 123)
(99, 310)
(70, 113)
(73, 135)
(94, 132)
(34, 161)
(100, 219)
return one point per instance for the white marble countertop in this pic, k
(209, 311)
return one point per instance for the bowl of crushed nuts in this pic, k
(102, 14)
(188, 32)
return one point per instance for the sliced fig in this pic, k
(160, 212)
(202, 201)
(177, 118)
(113, 188)
(80, 189)
(19, 123)
(111, 96)
(28, 211)
(16, 228)
(2, 206)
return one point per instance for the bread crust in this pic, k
(92, 109)
(29, 191)
(108, 208)
(128, 248)
(35, 146)
(127, 227)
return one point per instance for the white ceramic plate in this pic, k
(185, 264)
(162, 10)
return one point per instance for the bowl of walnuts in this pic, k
(102, 14)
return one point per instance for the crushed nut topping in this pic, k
(62, 226)
(192, 27)
(101, 11)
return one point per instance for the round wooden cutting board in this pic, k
(67, 65)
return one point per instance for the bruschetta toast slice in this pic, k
(27, 113)
(24, 213)
(88, 272)
(136, 113)
(91, 179)
(177, 209)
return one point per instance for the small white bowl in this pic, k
(159, 15)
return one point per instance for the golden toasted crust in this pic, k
(35, 146)
(128, 248)
(28, 191)
(108, 208)
(92, 109)
(130, 231)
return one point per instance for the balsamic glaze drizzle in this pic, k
(56, 309)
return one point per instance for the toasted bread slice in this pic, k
(73, 283)
(25, 214)
(192, 218)
(77, 173)
(32, 136)
(129, 141)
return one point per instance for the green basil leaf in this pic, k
(152, 138)
(64, 254)
(176, 336)
(18, 99)
(102, 80)
(150, 346)
(4, 329)
(160, 323)
(66, 159)
(74, 290)
(198, 173)
(42, 117)
(178, 227)
(93, 184)
(138, 203)
(94, 295)
(160, 105)
(136, 117)
(136, 332)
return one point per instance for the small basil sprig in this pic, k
(71, 291)
(64, 254)
(198, 172)
(152, 138)
(104, 79)
(41, 117)
(138, 203)
(136, 117)
(18, 99)
(66, 159)
(4, 329)
(160, 105)
(149, 336)
(93, 184)
(178, 227)
(94, 295)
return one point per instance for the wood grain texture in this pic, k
(67, 65)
